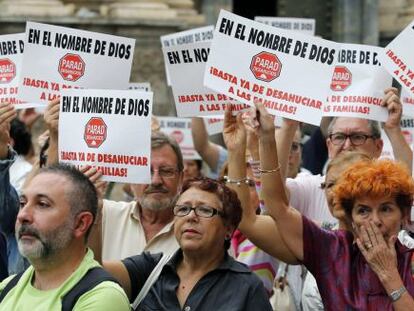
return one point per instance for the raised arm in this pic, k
(401, 149)
(284, 140)
(51, 117)
(9, 201)
(260, 229)
(288, 220)
(208, 150)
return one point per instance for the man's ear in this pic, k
(379, 143)
(83, 221)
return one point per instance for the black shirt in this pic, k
(3, 258)
(231, 286)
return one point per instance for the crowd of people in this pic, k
(229, 232)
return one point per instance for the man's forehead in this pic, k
(163, 155)
(350, 124)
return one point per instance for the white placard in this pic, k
(214, 125)
(180, 130)
(109, 130)
(288, 71)
(407, 101)
(11, 55)
(303, 25)
(201, 34)
(398, 59)
(57, 58)
(358, 83)
(140, 86)
(186, 65)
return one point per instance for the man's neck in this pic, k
(52, 272)
(153, 221)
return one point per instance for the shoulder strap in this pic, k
(91, 279)
(12, 283)
(155, 273)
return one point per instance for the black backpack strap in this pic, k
(91, 279)
(12, 283)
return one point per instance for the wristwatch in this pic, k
(396, 294)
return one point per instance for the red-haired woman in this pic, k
(367, 269)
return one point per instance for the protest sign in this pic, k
(407, 100)
(58, 58)
(109, 130)
(140, 86)
(180, 130)
(287, 71)
(186, 65)
(214, 125)
(303, 25)
(398, 59)
(358, 83)
(201, 34)
(11, 55)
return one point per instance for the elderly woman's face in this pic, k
(383, 212)
(198, 233)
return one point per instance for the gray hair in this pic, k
(373, 126)
(160, 139)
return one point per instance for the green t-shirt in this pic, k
(105, 296)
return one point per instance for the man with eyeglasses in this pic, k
(347, 134)
(129, 228)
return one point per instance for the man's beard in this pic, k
(44, 245)
(146, 201)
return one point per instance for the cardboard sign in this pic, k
(287, 71)
(58, 58)
(398, 59)
(109, 130)
(303, 25)
(201, 34)
(214, 125)
(140, 86)
(186, 65)
(407, 100)
(11, 55)
(180, 130)
(358, 83)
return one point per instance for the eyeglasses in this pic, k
(204, 211)
(165, 172)
(356, 139)
(295, 148)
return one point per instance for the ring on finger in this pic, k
(368, 245)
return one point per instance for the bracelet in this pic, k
(277, 169)
(395, 295)
(238, 182)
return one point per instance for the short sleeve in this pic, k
(139, 269)
(258, 299)
(321, 248)
(107, 296)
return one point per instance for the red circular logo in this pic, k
(7, 70)
(341, 78)
(95, 132)
(265, 66)
(71, 67)
(178, 136)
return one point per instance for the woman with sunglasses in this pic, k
(200, 275)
